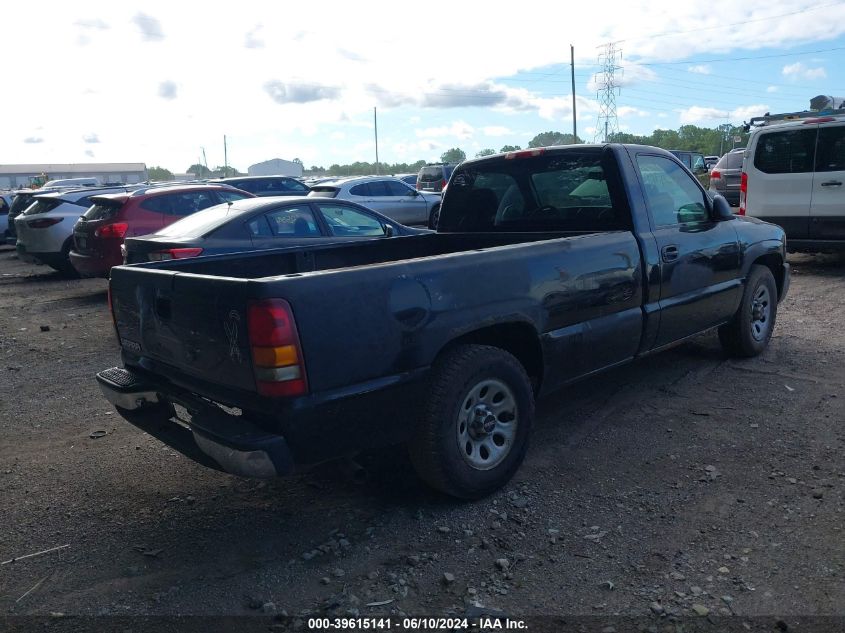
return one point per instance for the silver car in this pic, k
(386, 195)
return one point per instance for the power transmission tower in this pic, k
(607, 88)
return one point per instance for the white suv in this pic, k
(45, 229)
(793, 174)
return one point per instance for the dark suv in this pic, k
(434, 176)
(694, 161)
(726, 175)
(266, 185)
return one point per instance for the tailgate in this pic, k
(193, 323)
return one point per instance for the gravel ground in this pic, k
(683, 485)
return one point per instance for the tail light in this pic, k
(173, 253)
(715, 174)
(116, 230)
(276, 351)
(743, 193)
(442, 184)
(43, 223)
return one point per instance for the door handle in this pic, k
(669, 253)
(832, 183)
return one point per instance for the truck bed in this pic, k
(298, 260)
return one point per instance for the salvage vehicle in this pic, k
(99, 233)
(265, 223)
(548, 265)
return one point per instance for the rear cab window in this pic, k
(564, 191)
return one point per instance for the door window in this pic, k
(191, 202)
(786, 152)
(673, 197)
(293, 222)
(380, 188)
(230, 196)
(361, 190)
(398, 188)
(345, 221)
(830, 155)
(293, 185)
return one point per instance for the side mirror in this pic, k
(388, 230)
(721, 209)
(414, 193)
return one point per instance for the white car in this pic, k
(386, 195)
(5, 205)
(793, 174)
(45, 229)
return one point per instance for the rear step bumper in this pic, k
(212, 438)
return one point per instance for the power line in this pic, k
(743, 59)
(744, 22)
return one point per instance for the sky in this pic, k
(158, 82)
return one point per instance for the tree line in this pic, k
(708, 141)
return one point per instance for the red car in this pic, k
(100, 231)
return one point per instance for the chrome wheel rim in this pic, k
(486, 424)
(761, 313)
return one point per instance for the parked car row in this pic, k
(82, 230)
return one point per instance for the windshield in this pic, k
(560, 191)
(202, 222)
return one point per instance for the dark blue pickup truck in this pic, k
(548, 265)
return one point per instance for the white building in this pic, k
(16, 176)
(275, 167)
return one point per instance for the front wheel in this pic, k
(474, 432)
(749, 332)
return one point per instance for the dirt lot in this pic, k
(683, 484)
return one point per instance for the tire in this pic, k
(433, 217)
(61, 262)
(463, 446)
(749, 332)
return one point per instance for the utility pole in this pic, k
(225, 158)
(607, 91)
(572, 64)
(204, 160)
(375, 125)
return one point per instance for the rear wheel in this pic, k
(749, 332)
(476, 424)
(61, 262)
(433, 217)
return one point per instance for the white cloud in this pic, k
(496, 130)
(799, 70)
(700, 69)
(459, 129)
(625, 111)
(149, 27)
(700, 114)
(630, 75)
(772, 89)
